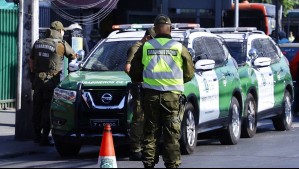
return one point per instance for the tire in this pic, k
(250, 122)
(189, 133)
(232, 134)
(284, 121)
(66, 148)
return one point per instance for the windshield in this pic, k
(109, 56)
(248, 18)
(237, 50)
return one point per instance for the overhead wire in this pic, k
(85, 20)
(76, 6)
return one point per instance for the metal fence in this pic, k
(8, 57)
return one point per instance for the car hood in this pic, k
(95, 79)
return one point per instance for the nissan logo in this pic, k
(106, 98)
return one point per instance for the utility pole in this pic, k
(28, 33)
(277, 4)
(237, 13)
(35, 21)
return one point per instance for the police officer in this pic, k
(136, 131)
(46, 63)
(163, 65)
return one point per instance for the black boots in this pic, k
(43, 139)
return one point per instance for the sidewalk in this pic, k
(9, 147)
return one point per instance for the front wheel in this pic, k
(232, 134)
(189, 131)
(250, 122)
(284, 121)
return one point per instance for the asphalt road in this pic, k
(268, 149)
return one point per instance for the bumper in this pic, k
(90, 139)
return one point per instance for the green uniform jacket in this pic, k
(62, 48)
(133, 50)
(137, 67)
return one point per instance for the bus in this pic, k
(290, 23)
(259, 15)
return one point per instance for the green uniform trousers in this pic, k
(161, 113)
(136, 131)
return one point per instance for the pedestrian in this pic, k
(46, 62)
(95, 37)
(163, 65)
(282, 38)
(136, 130)
(291, 37)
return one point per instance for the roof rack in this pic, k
(146, 26)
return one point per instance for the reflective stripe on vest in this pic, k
(163, 65)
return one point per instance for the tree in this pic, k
(286, 4)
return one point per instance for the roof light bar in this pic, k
(239, 29)
(132, 26)
(185, 26)
(146, 26)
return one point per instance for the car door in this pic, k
(212, 83)
(265, 77)
(280, 70)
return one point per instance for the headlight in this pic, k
(65, 94)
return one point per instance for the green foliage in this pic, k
(287, 4)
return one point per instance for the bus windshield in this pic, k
(261, 16)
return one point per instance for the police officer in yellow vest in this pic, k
(163, 65)
(46, 62)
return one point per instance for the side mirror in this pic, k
(262, 62)
(253, 53)
(81, 55)
(205, 64)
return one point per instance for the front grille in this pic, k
(102, 105)
(102, 98)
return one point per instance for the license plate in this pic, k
(103, 122)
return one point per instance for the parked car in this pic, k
(291, 51)
(266, 80)
(99, 92)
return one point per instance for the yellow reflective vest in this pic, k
(163, 65)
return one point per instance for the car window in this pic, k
(209, 48)
(109, 56)
(238, 51)
(266, 48)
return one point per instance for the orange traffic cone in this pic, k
(107, 157)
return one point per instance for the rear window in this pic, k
(238, 51)
(109, 56)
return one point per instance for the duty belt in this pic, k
(45, 76)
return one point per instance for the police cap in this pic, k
(57, 25)
(162, 19)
